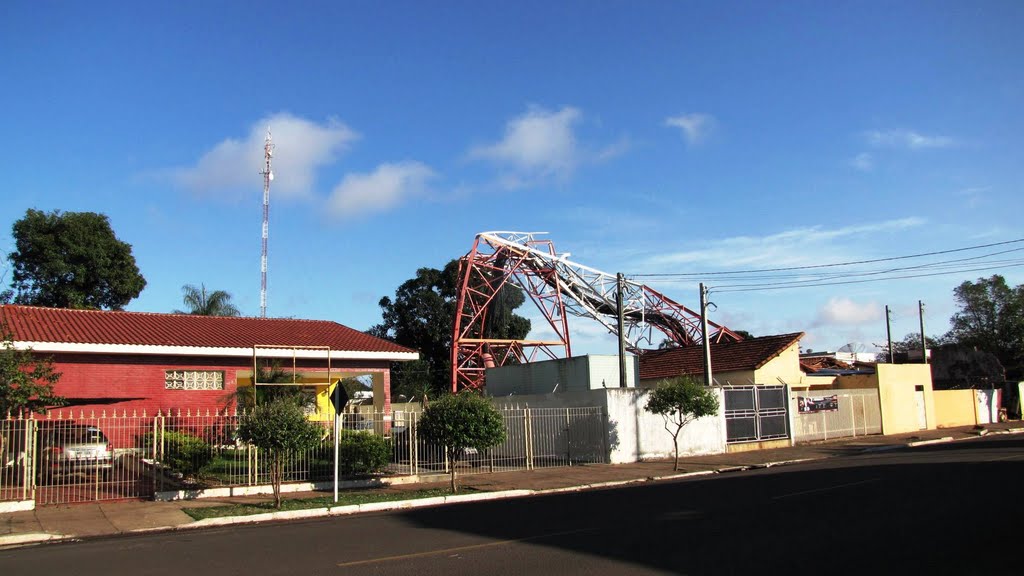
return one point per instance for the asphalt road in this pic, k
(943, 509)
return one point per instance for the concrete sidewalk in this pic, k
(76, 521)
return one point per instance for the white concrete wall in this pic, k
(633, 433)
(590, 372)
(644, 437)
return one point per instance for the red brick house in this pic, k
(133, 361)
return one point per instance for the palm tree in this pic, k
(202, 303)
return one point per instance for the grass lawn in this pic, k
(344, 499)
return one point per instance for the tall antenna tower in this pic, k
(268, 177)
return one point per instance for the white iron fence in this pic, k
(70, 457)
(826, 414)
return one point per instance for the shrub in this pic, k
(461, 421)
(281, 428)
(362, 453)
(182, 452)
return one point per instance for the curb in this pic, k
(12, 540)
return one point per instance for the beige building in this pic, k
(767, 360)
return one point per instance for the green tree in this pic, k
(280, 428)
(991, 318)
(955, 366)
(459, 422)
(422, 316)
(910, 342)
(679, 401)
(26, 381)
(199, 302)
(72, 260)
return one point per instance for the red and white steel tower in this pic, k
(268, 176)
(559, 288)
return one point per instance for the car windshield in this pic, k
(78, 436)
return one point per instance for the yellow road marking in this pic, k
(458, 549)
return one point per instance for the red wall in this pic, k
(98, 383)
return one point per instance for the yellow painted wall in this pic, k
(896, 394)
(762, 445)
(955, 408)
(785, 366)
(856, 382)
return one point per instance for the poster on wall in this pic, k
(808, 404)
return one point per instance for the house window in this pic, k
(194, 380)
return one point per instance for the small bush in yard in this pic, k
(461, 421)
(182, 452)
(362, 453)
(281, 429)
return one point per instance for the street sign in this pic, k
(340, 398)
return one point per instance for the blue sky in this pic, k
(646, 138)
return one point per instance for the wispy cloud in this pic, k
(788, 248)
(695, 127)
(974, 195)
(863, 162)
(537, 144)
(383, 189)
(301, 147)
(846, 312)
(907, 139)
(613, 150)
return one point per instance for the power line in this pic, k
(952, 265)
(832, 265)
(778, 287)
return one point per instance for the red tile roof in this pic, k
(63, 326)
(749, 354)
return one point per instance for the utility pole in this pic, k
(924, 347)
(268, 177)
(620, 282)
(888, 332)
(705, 340)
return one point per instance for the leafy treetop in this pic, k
(72, 260)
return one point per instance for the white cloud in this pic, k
(695, 127)
(539, 143)
(384, 188)
(907, 139)
(846, 312)
(788, 248)
(300, 148)
(863, 162)
(974, 195)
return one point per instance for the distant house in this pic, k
(117, 362)
(762, 360)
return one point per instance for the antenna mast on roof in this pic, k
(268, 176)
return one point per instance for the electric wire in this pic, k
(816, 275)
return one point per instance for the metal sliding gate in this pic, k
(754, 413)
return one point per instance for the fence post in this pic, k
(603, 431)
(527, 438)
(568, 437)
(864, 413)
(414, 446)
(29, 462)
